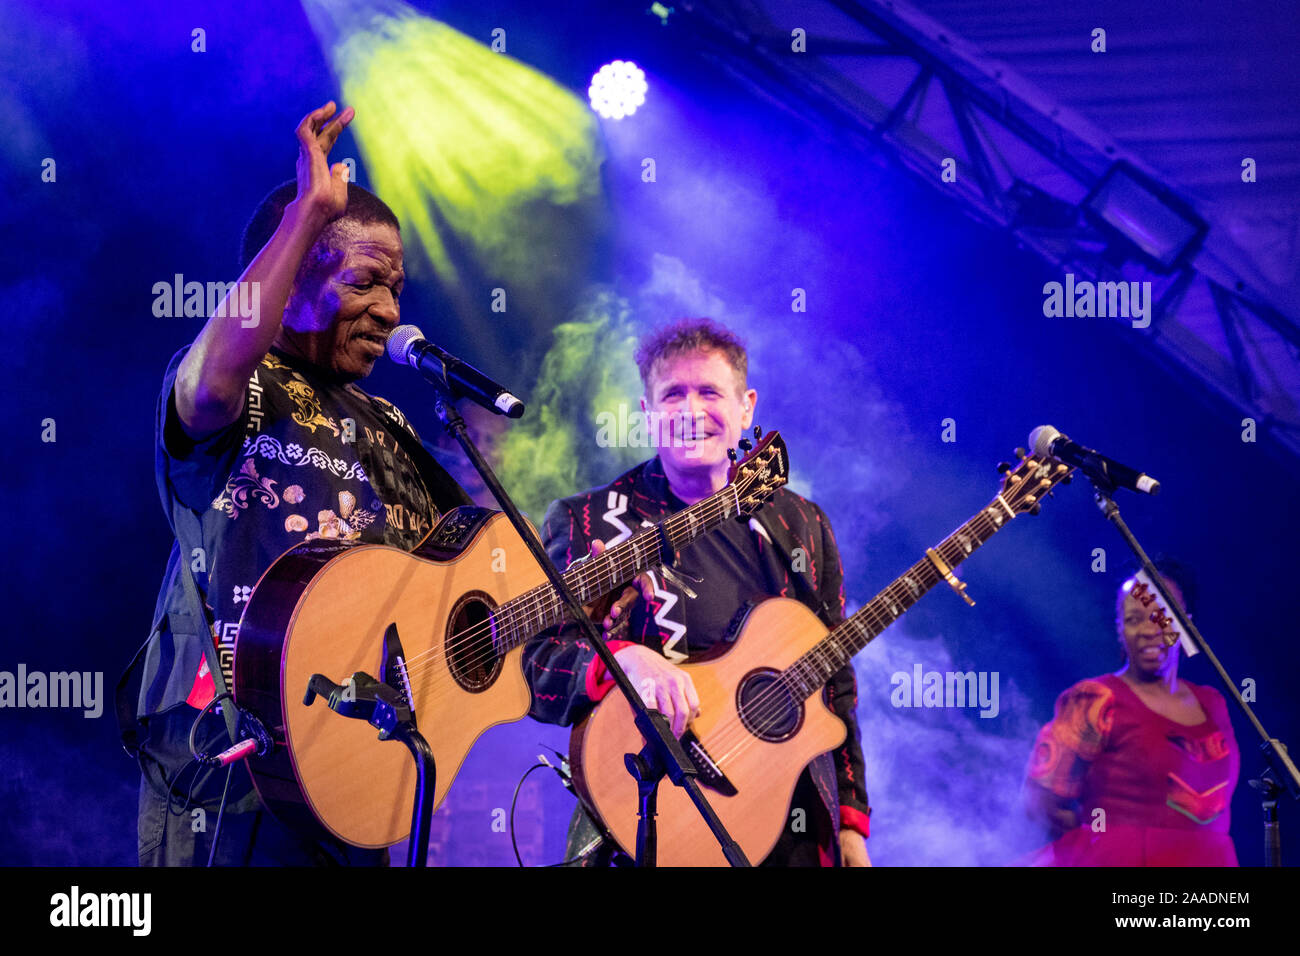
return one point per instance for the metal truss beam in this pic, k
(1039, 202)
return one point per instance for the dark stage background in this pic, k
(916, 313)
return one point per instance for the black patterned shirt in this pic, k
(310, 456)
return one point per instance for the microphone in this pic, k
(1046, 440)
(408, 346)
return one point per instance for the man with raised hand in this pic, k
(264, 441)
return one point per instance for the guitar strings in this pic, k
(769, 709)
(699, 519)
(623, 560)
(772, 707)
(524, 607)
(986, 516)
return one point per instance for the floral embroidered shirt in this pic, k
(309, 457)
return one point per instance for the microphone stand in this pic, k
(1281, 774)
(663, 754)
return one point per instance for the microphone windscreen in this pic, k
(401, 341)
(1041, 438)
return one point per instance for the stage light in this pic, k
(617, 89)
(662, 12)
(1145, 217)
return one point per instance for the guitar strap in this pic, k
(189, 536)
(201, 626)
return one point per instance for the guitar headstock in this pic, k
(755, 478)
(1026, 484)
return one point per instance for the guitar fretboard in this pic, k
(535, 611)
(810, 672)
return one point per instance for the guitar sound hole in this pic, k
(472, 652)
(766, 706)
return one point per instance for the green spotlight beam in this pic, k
(588, 373)
(473, 150)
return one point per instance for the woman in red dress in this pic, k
(1137, 768)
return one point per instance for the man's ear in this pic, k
(751, 403)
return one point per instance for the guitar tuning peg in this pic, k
(1004, 467)
(758, 433)
(731, 453)
(746, 444)
(1036, 507)
(1067, 479)
(1021, 453)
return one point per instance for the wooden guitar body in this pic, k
(327, 607)
(739, 708)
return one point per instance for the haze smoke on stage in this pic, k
(945, 784)
(588, 373)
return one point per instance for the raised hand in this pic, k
(322, 189)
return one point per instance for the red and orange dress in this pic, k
(1151, 791)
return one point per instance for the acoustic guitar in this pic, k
(762, 716)
(444, 624)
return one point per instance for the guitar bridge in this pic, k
(393, 672)
(709, 773)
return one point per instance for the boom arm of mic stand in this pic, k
(679, 773)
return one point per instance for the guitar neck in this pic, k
(526, 616)
(809, 673)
